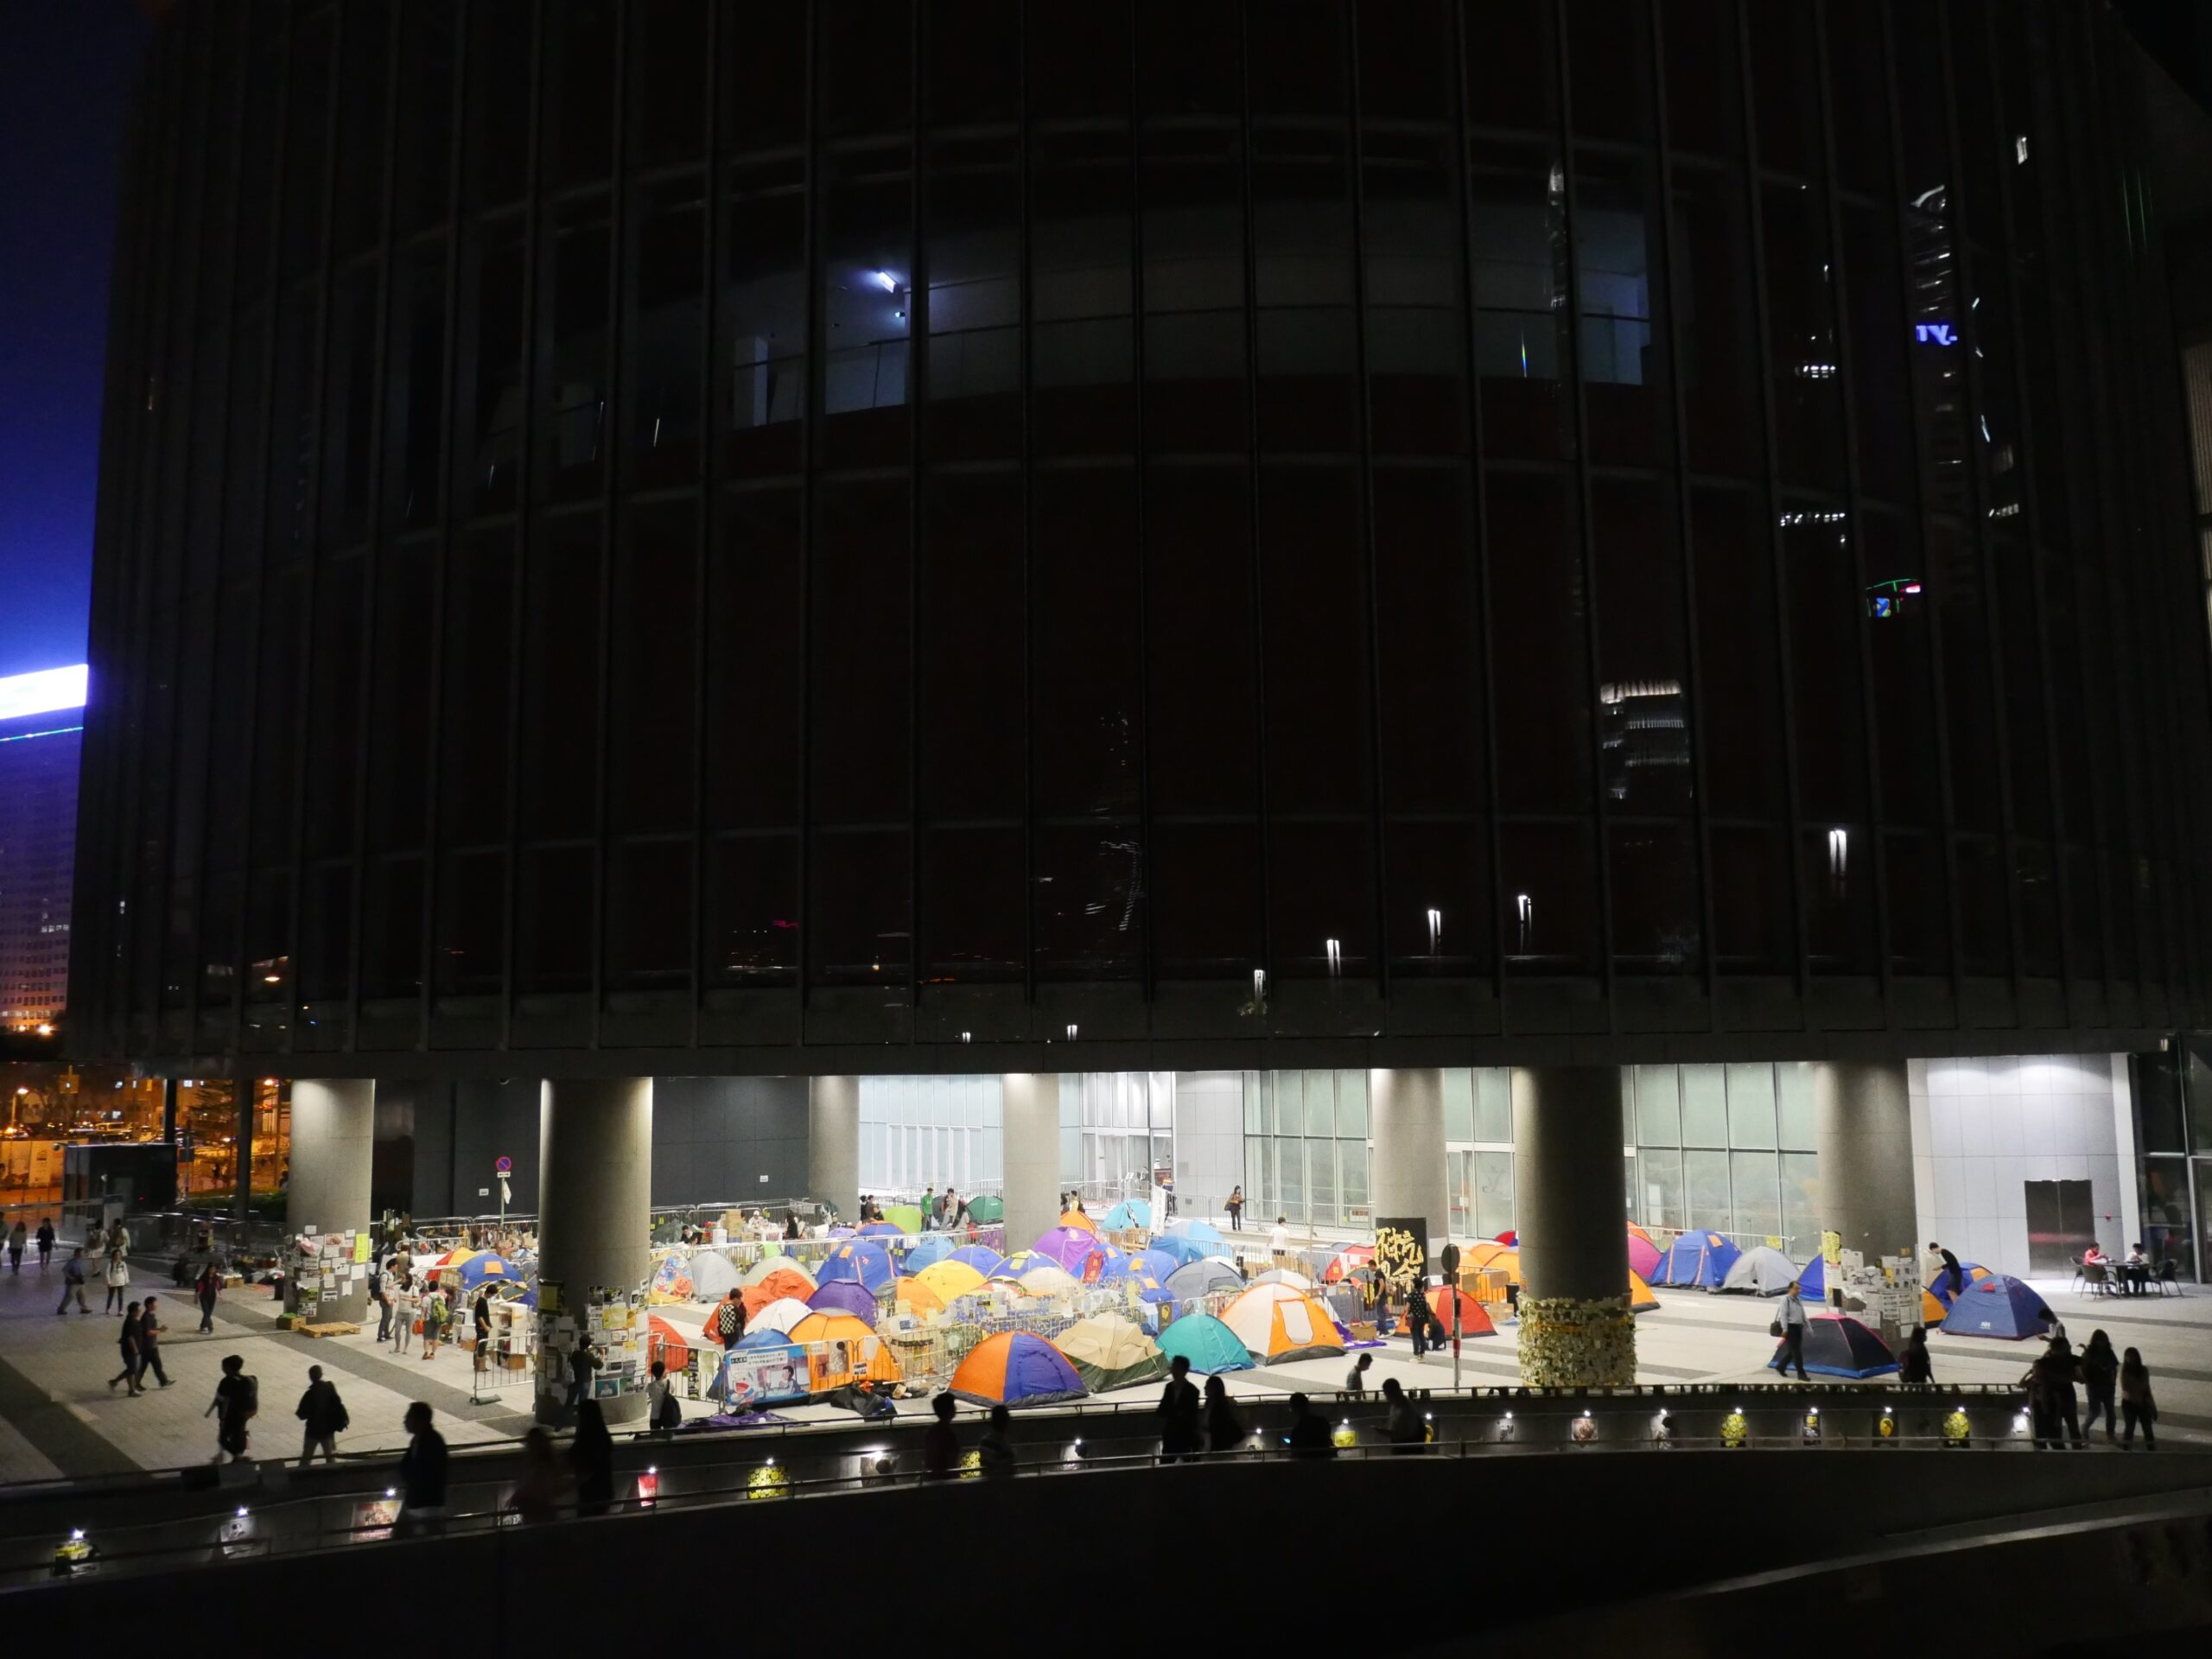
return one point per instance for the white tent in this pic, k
(780, 1315)
(768, 1264)
(1761, 1271)
(712, 1276)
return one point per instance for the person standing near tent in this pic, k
(402, 1311)
(1418, 1319)
(727, 1322)
(481, 1315)
(1224, 1428)
(1916, 1365)
(1235, 1208)
(1279, 1241)
(1178, 1412)
(1794, 1326)
(940, 1444)
(2135, 1402)
(1949, 1271)
(2100, 1378)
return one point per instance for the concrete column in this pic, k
(1862, 1126)
(1029, 1144)
(1570, 1209)
(833, 1144)
(594, 1161)
(1407, 1107)
(333, 1130)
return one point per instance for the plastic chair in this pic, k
(2169, 1277)
(2091, 1276)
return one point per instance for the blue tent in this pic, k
(1157, 1262)
(1998, 1306)
(1812, 1280)
(1185, 1250)
(765, 1367)
(862, 1260)
(985, 1261)
(1130, 1212)
(1699, 1258)
(1199, 1232)
(928, 1252)
(1209, 1345)
(1837, 1345)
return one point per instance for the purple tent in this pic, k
(843, 1296)
(1072, 1247)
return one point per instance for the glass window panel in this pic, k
(1316, 637)
(1642, 661)
(868, 271)
(1758, 1211)
(661, 357)
(1083, 287)
(1203, 891)
(1658, 1106)
(1351, 1176)
(1801, 1213)
(1428, 580)
(1547, 881)
(764, 316)
(474, 697)
(1512, 64)
(859, 894)
(1493, 1193)
(1088, 898)
(1751, 1106)
(489, 441)
(1714, 318)
(974, 758)
(574, 295)
(753, 760)
(1201, 634)
(1405, 60)
(577, 133)
(553, 925)
(1824, 608)
(1411, 239)
(391, 930)
(1458, 1103)
(1624, 392)
(1657, 924)
(1321, 1176)
(1704, 77)
(1704, 1106)
(863, 49)
(559, 676)
(650, 909)
(863, 668)
(1793, 1108)
(1537, 605)
(1290, 1103)
(1706, 1199)
(414, 370)
(423, 129)
(668, 82)
(752, 924)
(1494, 1105)
(1255, 1104)
(1351, 1106)
(1290, 1172)
(1084, 684)
(1320, 1104)
(1801, 303)
(495, 157)
(399, 701)
(1518, 203)
(973, 216)
(652, 665)
(1659, 1171)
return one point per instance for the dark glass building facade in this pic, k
(870, 528)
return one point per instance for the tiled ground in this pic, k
(58, 1416)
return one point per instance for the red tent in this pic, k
(664, 1343)
(1474, 1319)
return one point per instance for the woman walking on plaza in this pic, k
(402, 1313)
(127, 1340)
(2135, 1403)
(208, 1286)
(117, 1276)
(45, 1242)
(2100, 1367)
(16, 1237)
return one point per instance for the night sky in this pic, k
(66, 75)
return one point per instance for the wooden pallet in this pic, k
(334, 1328)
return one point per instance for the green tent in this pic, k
(906, 1217)
(985, 1209)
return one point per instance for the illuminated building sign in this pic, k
(1934, 333)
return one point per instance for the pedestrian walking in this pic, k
(995, 1452)
(1179, 1413)
(127, 1340)
(323, 1419)
(17, 1237)
(1235, 1208)
(421, 1476)
(2100, 1367)
(940, 1444)
(1408, 1431)
(205, 1290)
(73, 1282)
(238, 1399)
(149, 1343)
(1224, 1428)
(45, 1242)
(1793, 1324)
(591, 1455)
(2136, 1405)
(2049, 1383)
(404, 1314)
(117, 1276)
(1917, 1364)
(96, 1243)
(380, 1301)
(434, 1320)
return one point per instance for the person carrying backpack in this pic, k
(323, 1418)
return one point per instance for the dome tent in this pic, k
(843, 1296)
(1697, 1259)
(776, 1287)
(862, 1260)
(775, 1262)
(1198, 1278)
(1761, 1271)
(1130, 1212)
(1998, 1306)
(712, 1276)
(1837, 1345)
(775, 1318)
(1015, 1369)
(949, 1281)
(1209, 1345)
(1071, 1248)
(985, 1259)
(1279, 1323)
(1110, 1353)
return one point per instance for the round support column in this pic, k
(1029, 1144)
(1410, 1180)
(1570, 1213)
(1862, 1127)
(833, 1144)
(326, 1190)
(595, 1160)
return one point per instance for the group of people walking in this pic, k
(2118, 1385)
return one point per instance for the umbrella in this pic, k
(776, 1318)
(1199, 1278)
(986, 1261)
(843, 1295)
(1071, 1248)
(1130, 1212)
(776, 1262)
(1046, 1280)
(928, 1252)
(863, 1261)
(949, 1281)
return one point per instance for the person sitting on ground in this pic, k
(1357, 1383)
(940, 1444)
(790, 1224)
(1309, 1431)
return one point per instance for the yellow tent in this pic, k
(915, 1294)
(949, 1280)
(1277, 1322)
(1076, 1218)
(1046, 1280)
(840, 1349)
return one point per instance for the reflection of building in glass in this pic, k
(41, 722)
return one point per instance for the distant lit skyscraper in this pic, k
(41, 719)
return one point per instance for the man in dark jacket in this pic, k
(323, 1417)
(1309, 1431)
(1179, 1413)
(422, 1475)
(149, 1343)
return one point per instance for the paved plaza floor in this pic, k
(58, 1416)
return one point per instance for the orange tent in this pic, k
(1484, 1254)
(1641, 1234)
(664, 1343)
(775, 1286)
(916, 1294)
(1076, 1218)
(840, 1349)
(1474, 1317)
(1640, 1299)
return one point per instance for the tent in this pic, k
(902, 1218)
(672, 1279)
(1642, 1254)
(928, 1252)
(1071, 1248)
(1015, 1369)
(1199, 1278)
(985, 1261)
(1998, 1306)
(1200, 1233)
(1046, 1280)
(881, 1230)
(1160, 1264)
(1348, 1262)
(1636, 1232)
(1150, 1289)
(1837, 1345)
(862, 1260)
(1474, 1317)
(1110, 1353)
(1935, 1300)
(829, 1324)
(1130, 1212)
(1510, 1239)
(1760, 1271)
(1021, 1263)
(843, 1296)
(986, 1208)
(1209, 1345)
(949, 1281)
(774, 1288)
(1483, 1254)
(1699, 1258)
(1640, 1299)
(664, 1343)
(1283, 1276)
(712, 1276)
(1078, 1219)
(1185, 1250)
(916, 1297)
(848, 1352)
(1279, 1323)
(776, 1318)
(775, 1262)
